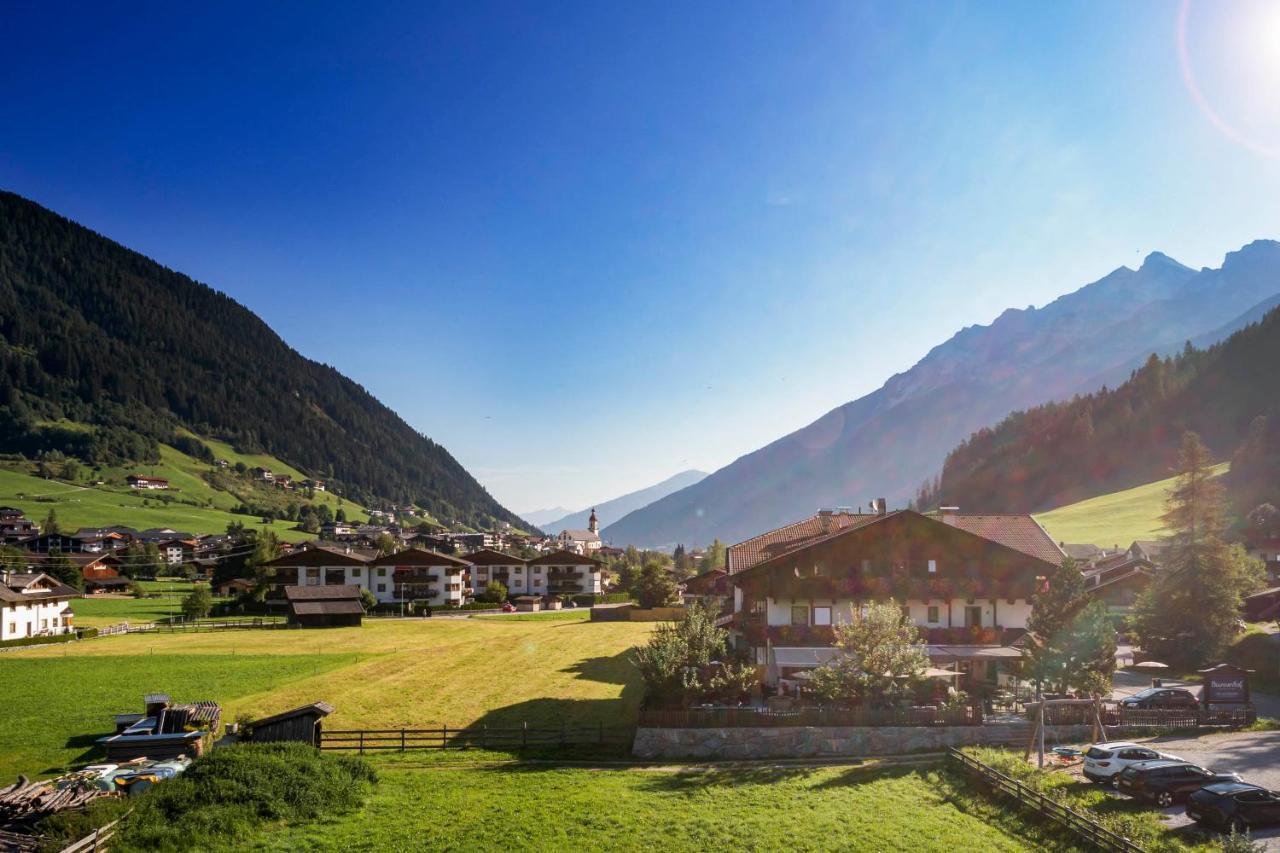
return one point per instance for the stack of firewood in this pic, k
(25, 802)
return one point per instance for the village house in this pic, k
(14, 526)
(566, 573)
(139, 481)
(234, 587)
(33, 604)
(263, 474)
(1118, 579)
(424, 576)
(63, 543)
(329, 565)
(316, 485)
(965, 580)
(101, 572)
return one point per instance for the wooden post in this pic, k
(444, 737)
(402, 740)
(524, 736)
(484, 736)
(362, 741)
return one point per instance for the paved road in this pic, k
(1254, 755)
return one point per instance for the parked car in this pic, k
(1104, 761)
(508, 607)
(1167, 782)
(1234, 805)
(1162, 697)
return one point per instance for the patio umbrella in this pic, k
(935, 672)
(1150, 664)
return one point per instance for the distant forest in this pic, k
(94, 333)
(1122, 437)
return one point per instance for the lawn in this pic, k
(1114, 519)
(752, 808)
(388, 674)
(95, 611)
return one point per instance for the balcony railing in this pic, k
(416, 577)
(969, 636)
(564, 574)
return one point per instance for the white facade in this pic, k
(376, 579)
(518, 578)
(933, 613)
(30, 609)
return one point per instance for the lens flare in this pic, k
(1197, 95)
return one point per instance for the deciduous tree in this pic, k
(880, 656)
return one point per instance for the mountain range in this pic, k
(105, 355)
(610, 511)
(886, 443)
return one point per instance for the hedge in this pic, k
(39, 641)
(589, 599)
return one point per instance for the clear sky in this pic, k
(586, 246)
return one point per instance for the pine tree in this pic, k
(1190, 611)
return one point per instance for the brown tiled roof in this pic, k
(322, 592)
(757, 549)
(12, 591)
(323, 556)
(418, 557)
(564, 558)
(490, 557)
(1019, 532)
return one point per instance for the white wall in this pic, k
(1008, 615)
(39, 617)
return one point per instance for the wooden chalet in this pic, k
(965, 581)
(336, 606)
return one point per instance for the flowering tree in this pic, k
(882, 656)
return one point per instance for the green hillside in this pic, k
(192, 504)
(1113, 519)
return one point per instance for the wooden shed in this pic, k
(324, 605)
(300, 724)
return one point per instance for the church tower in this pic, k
(593, 523)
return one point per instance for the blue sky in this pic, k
(585, 246)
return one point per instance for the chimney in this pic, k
(947, 514)
(880, 506)
(824, 519)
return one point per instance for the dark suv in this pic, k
(1167, 782)
(1234, 805)
(1162, 697)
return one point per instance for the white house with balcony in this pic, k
(488, 565)
(34, 604)
(334, 566)
(426, 577)
(565, 573)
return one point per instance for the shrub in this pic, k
(37, 641)
(224, 796)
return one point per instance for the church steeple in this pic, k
(593, 523)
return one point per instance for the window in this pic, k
(537, 570)
(355, 573)
(799, 615)
(822, 615)
(519, 570)
(313, 574)
(933, 614)
(382, 587)
(973, 617)
(382, 572)
(866, 567)
(933, 567)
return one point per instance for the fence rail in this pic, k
(96, 841)
(1083, 827)
(1118, 716)
(716, 718)
(501, 738)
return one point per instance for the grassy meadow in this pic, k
(749, 808)
(388, 674)
(1114, 519)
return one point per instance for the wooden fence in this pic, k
(717, 718)
(1169, 719)
(96, 841)
(257, 623)
(1085, 828)
(500, 738)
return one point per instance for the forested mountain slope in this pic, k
(94, 333)
(1113, 439)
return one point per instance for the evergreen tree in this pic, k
(64, 570)
(1190, 612)
(1071, 642)
(654, 587)
(51, 522)
(198, 602)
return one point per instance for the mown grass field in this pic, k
(95, 611)
(1114, 519)
(750, 808)
(387, 674)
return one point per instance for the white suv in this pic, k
(1104, 761)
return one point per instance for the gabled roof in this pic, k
(318, 709)
(43, 587)
(564, 558)
(335, 607)
(1015, 532)
(579, 535)
(490, 557)
(322, 592)
(757, 549)
(321, 555)
(1081, 551)
(1019, 532)
(418, 557)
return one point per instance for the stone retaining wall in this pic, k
(842, 741)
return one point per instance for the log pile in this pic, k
(25, 802)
